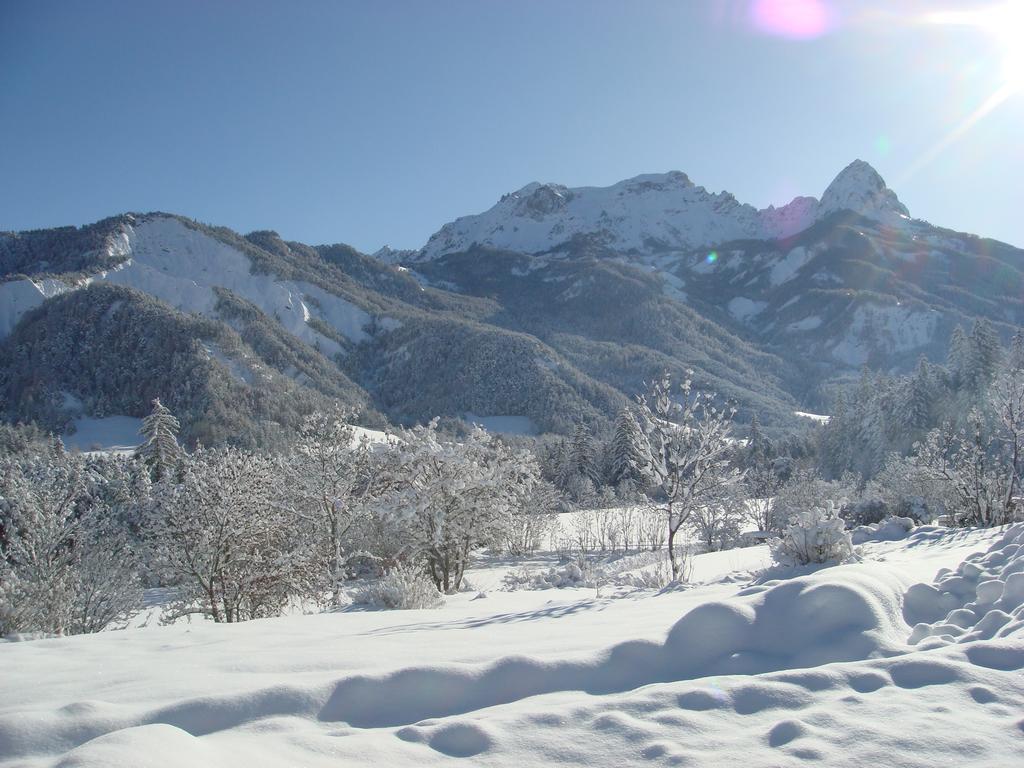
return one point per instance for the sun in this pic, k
(1003, 23)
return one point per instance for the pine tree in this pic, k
(985, 354)
(583, 457)
(627, 451)
(1015, 355)
(959, 359)
(759, 447)
(564, 471)
(920, 396)
(160, 450)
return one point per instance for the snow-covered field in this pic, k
(783, 669)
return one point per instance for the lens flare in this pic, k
(1003, 23)
(712, 257)
(793, 19)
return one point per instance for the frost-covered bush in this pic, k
(815, 535)
(404, 587)
(644, 570)
(865, 512)
(562, 577)
(910, 490)
(806, 490)
(65, 567)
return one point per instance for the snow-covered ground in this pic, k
(827, 667)
(110, 433)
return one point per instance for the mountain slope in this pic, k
(554, 306)
(109, 350)
(827, 286)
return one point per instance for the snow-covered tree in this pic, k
(533, 516)
(688, 448)
(583, 455)
(627, 459)
(918, 400)
(718, 524)
(970, 460)
(225, 535)
(959, 359)
(160, 450)
(763, 479)
(329, 483)
(452, 497)
(1007, 401)
(64, 567)
(985, 354)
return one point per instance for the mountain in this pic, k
(553, 307)
(828, 285)
(652, 214)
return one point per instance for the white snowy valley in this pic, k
(910, 656)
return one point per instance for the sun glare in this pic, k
(1004, 24)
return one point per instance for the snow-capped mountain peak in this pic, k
(861, 189)
(653, 213)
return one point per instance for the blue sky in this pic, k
(377, 122)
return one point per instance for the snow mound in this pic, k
(982, 599)
(844, 615)
(890, 529)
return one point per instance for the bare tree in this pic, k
(688, 439)
(968, 461)
(1007, 400)
(223, 533)
(328, 478)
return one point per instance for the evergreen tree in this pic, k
(759, 447)
(1015, 355)
(160, 450)
(627, 458)
(919, 395)
(959, 359)
(985, 354)
(583, 457)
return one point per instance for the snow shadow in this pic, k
(802, 623)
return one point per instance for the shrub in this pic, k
(865, 512)
(404, 587)
(815, 535)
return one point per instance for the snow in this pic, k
(859, 188)
(743, 308)
(807, 324)
(505, 425)
(19, 296)
(787, 267)
(647, 213)
(236, 368)
(821, 419)
(110, 433)
(654, 213)
(891, 329)
(833, 668)
(182, 266)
